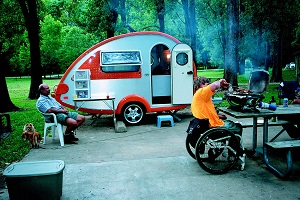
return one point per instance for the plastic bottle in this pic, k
(267, 106)
(285, 102)
(230, 89)
(273, 102)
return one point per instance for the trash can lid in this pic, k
(37, 168)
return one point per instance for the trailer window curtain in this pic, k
(120, 68)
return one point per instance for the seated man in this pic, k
(202, 106)
(47, 104)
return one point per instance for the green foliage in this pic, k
(75, 42)
(142, 21)
(50, 43)
(11, 31)
(21, 59)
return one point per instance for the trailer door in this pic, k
(182, 74)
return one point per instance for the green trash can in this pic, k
(35, 180)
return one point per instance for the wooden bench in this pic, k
(260, 123)
(288, 146)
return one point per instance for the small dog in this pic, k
(30, 134)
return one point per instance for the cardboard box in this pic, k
(35, 180)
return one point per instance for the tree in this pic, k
(101, 17)
(231, 51)
(75, 41)
(50, 43)
(10, 29)
(29, 10)
(190, 23)
(6, 104)
(272, 22)
(160, 9)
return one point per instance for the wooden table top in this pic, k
(293, 109)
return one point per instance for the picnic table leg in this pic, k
(278, 173)
(266, 158)
(254, 137)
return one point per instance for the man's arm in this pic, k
(219, 84)
(53, 110)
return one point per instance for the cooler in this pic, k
(35, 180)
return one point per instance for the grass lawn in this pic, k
(14, 148)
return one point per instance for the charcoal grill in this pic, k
(248, 101)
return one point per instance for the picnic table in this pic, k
(291, 110)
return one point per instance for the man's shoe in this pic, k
(71, 137)
(70, 142)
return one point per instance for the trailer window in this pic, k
(121, 61)
(182, 59)
(119, 58)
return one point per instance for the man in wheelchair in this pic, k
(215, 144)
(202, 106)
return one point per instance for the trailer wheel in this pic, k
(133, 113)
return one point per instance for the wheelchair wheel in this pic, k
(189, 147)
(217, 150)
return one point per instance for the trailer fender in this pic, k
(132, 98)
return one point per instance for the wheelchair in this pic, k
(216, 150)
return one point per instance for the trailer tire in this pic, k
(133, 113)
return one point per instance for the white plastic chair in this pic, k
(53, 125)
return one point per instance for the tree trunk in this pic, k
(6, 104)
(193, 27)
(231, 52)
(186, 18)
(277, 69)
(160, 9)
(123, 11)
(223, 41)
(190, 24)
(268, 63)
(29, 10)
(112, 20)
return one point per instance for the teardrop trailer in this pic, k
(143, 71)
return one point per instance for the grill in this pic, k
(248, 101)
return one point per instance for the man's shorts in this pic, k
(61, 117)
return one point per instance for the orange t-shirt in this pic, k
(202, 107)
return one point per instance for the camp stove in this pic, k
(247, 101)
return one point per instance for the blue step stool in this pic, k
(161, 118)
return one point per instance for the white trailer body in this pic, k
(144, 71)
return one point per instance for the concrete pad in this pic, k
(147, 162)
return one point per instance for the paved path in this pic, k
(147, 162)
